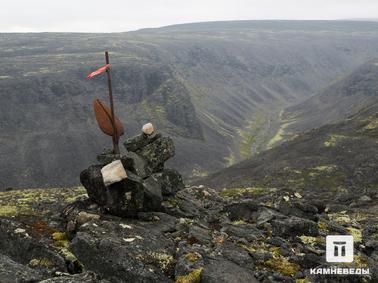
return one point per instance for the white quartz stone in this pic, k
(113, 173)
(148, 129)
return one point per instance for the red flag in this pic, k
(99, 71)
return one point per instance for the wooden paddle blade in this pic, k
(104, 120)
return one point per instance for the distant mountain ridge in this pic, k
(216, 88)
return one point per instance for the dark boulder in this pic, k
(294, 226)
(241, 210)
(157, 152)
(171, 182)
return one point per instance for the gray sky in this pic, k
(125, 15)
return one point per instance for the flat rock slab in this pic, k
(224, 271)
(125, 251)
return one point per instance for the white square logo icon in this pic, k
(339, 248)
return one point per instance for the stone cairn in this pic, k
(137, 181)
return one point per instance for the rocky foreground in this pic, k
(199, 235)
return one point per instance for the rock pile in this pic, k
(137, 181)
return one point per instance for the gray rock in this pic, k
(370, 237)
(246, 231)
(224, 271)
(266, 214)
(199, 234)
(299, 208)
(171, 182)
(294, 226)
(152, 194)
(11, 272)
(157, 152)
(136, 164)
(125, 251)
(241, 210)
(236, 254)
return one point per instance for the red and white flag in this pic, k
(99, 71)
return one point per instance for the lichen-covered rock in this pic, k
(107, 157)
(171, 182)
(157, 152)
(136, 143)
(193, 241)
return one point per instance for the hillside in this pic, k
(344, 97)
(332, 159)
(217, 88)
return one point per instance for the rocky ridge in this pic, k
(199, 235)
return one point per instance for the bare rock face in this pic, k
(137, 181)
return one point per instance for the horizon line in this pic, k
(370, 20)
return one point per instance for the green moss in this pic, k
(192, 277)
(249, 133)
(173, 202)
(281, 132)
(60, 239)
(231, 159)
(311, 240)
(373, 123)
(239, 222)
(325, 168)
(283, 266)
(22, 202)
(15, 210)
(193, 257)
(356, 233)
(323, 226)
(199, 172)
(360, 262)
(333, 140)
(41, 262)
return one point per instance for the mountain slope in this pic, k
(217, 88)
(331, 158)
(338, 101)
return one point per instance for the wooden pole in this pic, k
(115, 134)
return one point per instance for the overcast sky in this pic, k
(125, 15)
